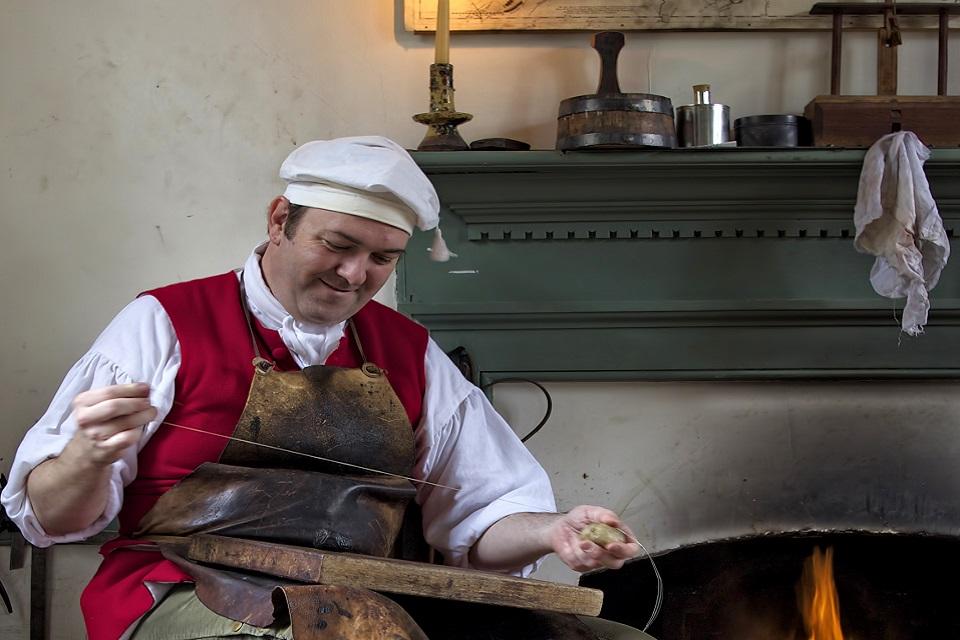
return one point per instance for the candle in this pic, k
(442, 44)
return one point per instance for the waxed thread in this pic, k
(331, 460)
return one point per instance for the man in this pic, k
(142, 424)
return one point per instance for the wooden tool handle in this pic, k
(608, 45)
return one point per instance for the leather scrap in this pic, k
(323, 612)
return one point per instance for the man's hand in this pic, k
(521, 538)
(68, 493)
(583, 555)
(108, 422)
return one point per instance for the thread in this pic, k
(331, 460)
(659, 599)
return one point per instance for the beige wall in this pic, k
(140, 139)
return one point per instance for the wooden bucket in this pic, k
(610, 119)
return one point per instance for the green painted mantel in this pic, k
(669, 264)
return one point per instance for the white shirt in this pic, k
(461, 440)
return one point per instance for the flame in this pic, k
(818, 597)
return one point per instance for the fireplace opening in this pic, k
(888, 587)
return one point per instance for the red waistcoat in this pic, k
(211, 390)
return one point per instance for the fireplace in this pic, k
(890, 587)
(733, 484)
(730, 276)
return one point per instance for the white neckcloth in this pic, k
(308, 343)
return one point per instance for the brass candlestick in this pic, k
(442, 120)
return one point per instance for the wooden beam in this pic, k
(393, 576)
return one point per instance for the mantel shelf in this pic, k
(668, 264)
(720, 159)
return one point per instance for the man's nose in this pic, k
(353, 270)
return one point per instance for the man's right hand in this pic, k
(109, 420)
(69, 493)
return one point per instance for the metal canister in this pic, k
(702, 123)
(774, 130)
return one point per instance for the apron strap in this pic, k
(356, 340)
(253, 337)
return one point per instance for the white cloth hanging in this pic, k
(897, 220)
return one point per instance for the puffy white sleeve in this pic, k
(463, 442)
(139, 345)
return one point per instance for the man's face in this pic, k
(332, 265)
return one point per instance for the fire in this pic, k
(818, 597)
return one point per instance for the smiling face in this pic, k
(328, 264)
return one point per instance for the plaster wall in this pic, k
(139, 144)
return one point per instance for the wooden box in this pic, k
(858, 121)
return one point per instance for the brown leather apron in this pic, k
(281, 484)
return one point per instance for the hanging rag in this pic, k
(897, 220)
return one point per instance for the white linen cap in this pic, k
(367, 176)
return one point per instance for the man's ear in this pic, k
(277, 212)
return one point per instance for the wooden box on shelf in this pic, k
(858, 121)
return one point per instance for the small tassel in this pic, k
(439, 251)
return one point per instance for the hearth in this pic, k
(890, 587)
